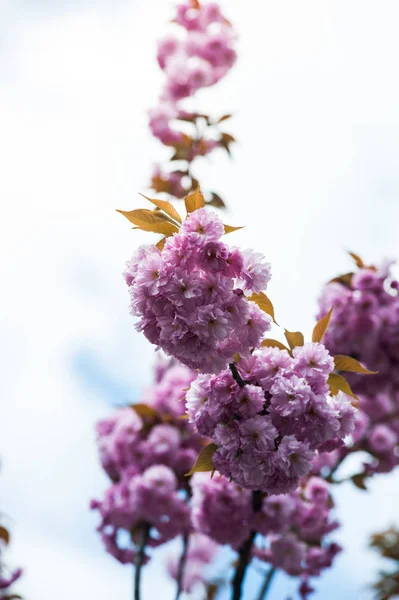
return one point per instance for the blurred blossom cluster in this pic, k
(365, 325)
(292, 529)
(146, 450)
(197, 55)
(201, 552)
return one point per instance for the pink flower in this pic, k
(290, 396)
(295, 456)
(382, 439)
(288, 554)
(205, 224)
(256, 274)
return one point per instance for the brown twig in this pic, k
(182, 564)
(244, 553)
(267, 583)
(236, 376)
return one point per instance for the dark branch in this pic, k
(236, 376)
(139, 559)
(182, 564)
(244, 554)
(267, 583)
(244, 557)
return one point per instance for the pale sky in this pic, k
(315, 97)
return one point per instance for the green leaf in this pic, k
(194, 201)
(347, 363)
(4, 535)
(294, 338)
(145, 411)
(230, 229)
(264, 304)
(338, 383)
(275, 344)
(149, 220)
(167, 208)
(357, 259)
(204, 460)
(321, 327)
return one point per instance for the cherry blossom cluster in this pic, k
(270, 417)
(201, 552)
(196, 56)
(190, 296)
(376, 433)
(148, 499)
(299, 525)
(201, 56)
(291, 529)
(146, 453)
(365, 325)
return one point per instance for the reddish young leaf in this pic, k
(321, 327)
(149, 220)
(264, 304)
(160, 245)
(275, 344)
(4, 535)
(224, 118)
(345, 279)
(359, 481)
(338, 383)
(204, 460)
(215, 201)
(347, 363)
(194, 201)
(230, 229)
(145, 411)
(166, 207)
(294, 338)
(357, 259)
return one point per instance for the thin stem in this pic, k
(267, 583)
(139, 559)
(244, 556)
(244, 553)
(182, 564)
(236, 376)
